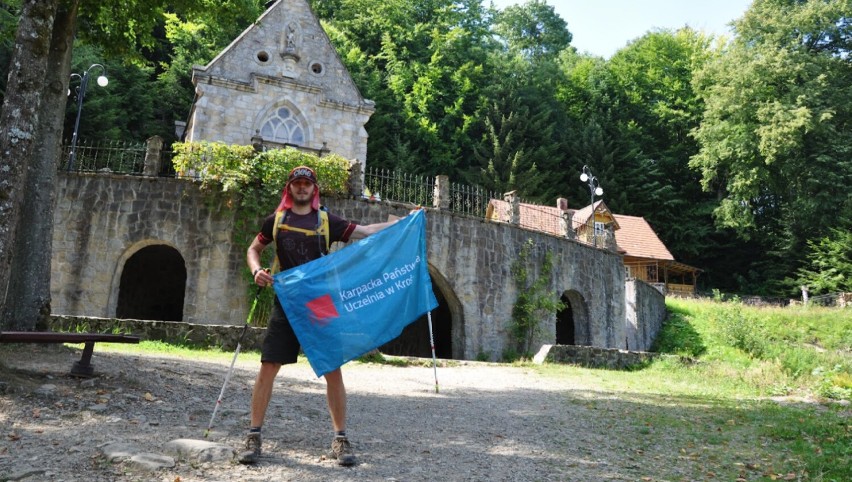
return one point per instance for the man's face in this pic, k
(302, 191)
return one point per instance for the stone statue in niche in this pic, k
(291, 38)
(289, 41)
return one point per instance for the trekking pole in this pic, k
(432, 344)
(231, 370)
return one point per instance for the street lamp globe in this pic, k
(599, 191)
(584, 177)
(81, 94)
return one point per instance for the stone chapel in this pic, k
(281, 83)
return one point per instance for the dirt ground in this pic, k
(488, 422)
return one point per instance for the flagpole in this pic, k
(429, 316)
(432, 344)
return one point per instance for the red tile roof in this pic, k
(637, 239)
(633, 234)
(538, 218)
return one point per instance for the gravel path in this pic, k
(488, 423)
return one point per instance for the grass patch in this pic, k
(160, 348)
(703, 421)
(804, 351)
(715, 404)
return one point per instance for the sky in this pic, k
(602, 27)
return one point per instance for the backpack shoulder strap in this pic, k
(324, 227)
(276, 225)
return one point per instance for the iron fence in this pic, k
(387, 185)
(380, 184)
(473, 200)
(105, 156)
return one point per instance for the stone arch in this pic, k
(572, 322)
(280, 118)
(447, 327)
(149, 282)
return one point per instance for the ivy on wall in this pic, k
(535, 302)
(252, 183)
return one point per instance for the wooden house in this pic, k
(645, 256)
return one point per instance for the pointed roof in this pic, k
(636, 238)
(263, 38)
(582, 216)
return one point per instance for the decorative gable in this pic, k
(281, 83)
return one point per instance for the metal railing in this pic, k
(473, 200)
(387, 185)
(105, 156)
(380, 185)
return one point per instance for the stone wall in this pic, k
(102, 220)
(594, 357)
(470, 261)
(646, 310)
(226, 338)
(179, 333)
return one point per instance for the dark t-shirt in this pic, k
(295, 248)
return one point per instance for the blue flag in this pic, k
(356, 299)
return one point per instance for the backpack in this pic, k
(322, 229)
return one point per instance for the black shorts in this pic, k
(280, 344)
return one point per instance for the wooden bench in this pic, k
(81, 368)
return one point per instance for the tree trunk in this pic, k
(19, 122)
(28, 301)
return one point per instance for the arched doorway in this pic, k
(565, 323)
(447, 327)
(414, 339)
(572, 321)
(152, 285)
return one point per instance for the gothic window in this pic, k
(283, 127)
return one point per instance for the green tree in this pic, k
(829, 263)
(602, 139)
(775, 135)
(423, 64)
(522, 132)
(21, 122)
(652, 77)
(44, 42)
(533, 29)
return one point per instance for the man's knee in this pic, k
(268, 370)
(334, 377)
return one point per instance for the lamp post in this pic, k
(596, 190)
(81, 94)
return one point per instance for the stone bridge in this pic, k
(146, 247)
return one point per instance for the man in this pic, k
(299, 238)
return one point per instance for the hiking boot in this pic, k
(341, 449)
(252, 451)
